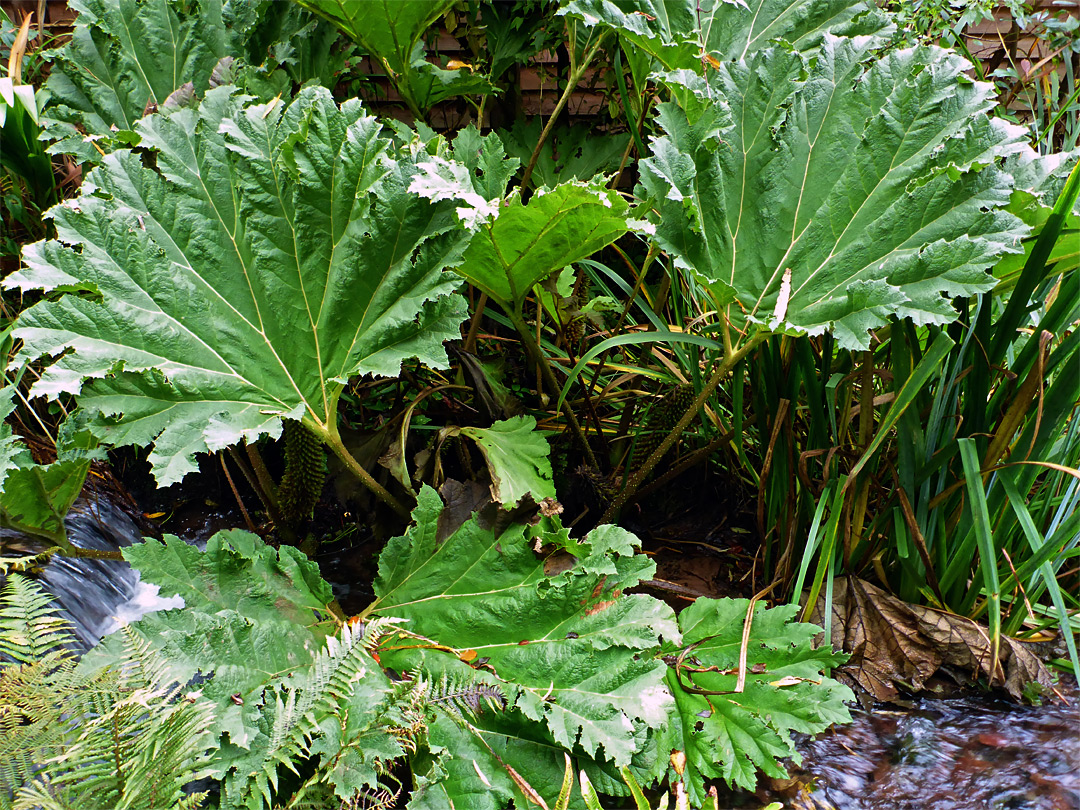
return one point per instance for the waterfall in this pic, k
(95, 596)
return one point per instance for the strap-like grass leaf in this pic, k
(984, 534)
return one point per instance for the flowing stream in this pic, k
(96, 595)
(975, 752)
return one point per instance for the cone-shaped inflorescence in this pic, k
(305, 473)
(660, 421)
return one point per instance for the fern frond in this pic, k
(346, 657)
(29, 626)
(341, 717)
(136, 749)
(292, 713)
(315, 797)
(43, 795)
(38, 691)
(381, 798)
(40, 707)
(375, 630)
(464, 697)
(28, 690)
(404, 718)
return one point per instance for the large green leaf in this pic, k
(391, 30)
(517, 458)
(278, 41)
(728, 734)
(689, 33)
(466, 768)
(286, 681)
(502, 657)
(485, 157)
(839, 198)
(520, 244)
(1039, 179)
(251, 614)
(234, 654)
(34, 498)
(572, 651)
(254, 623)
(237, 572)
(574, 152)
(124, 55)
(270, 254)
(127, 57)
(474, 170)
(10, 446)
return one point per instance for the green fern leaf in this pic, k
(321, 712)
(139, 750)
(36, 688)
(29, 626)
(74, 738)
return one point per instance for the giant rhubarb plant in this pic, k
(241, 270)
(832, 201)
(393, 34)
(518, 245)
(822, 195)
(505, 651)
(692, 33)
(123, 57)
(127, 58)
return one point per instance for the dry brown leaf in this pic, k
(462, 499)
(892, 642)
(966, 644)
(880, 634)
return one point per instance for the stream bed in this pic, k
(973, 752)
